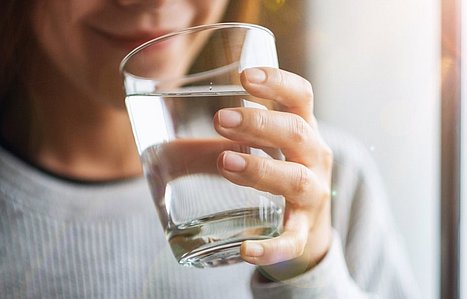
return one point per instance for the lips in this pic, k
(129, 41)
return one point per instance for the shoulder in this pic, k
(352, 160)
(348, 151)
(358, 192)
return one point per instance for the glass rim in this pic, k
(197, 28)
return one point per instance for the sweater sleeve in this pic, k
(329, 279)
(367, 258)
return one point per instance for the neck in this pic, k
(84, 143)
(74, 135)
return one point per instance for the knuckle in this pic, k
(260, 120)
(296, 246)
(279, 80)
(279, 77)
(299, 130)
(261, 171)
(299, 247)
(303, 181)
(286, 245)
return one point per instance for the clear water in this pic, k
(205, 216)
(214, 240)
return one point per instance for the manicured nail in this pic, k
(255, 75)
(254, 249)
(229, 118)
(234, 162)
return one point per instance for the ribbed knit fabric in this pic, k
(60, 239)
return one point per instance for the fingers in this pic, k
(295, 251)
(293, 130)
(286, 247)
(300, 185)
(303, 243)
(274, 129)
(292, 92)
(181, 157)
(289, 245)
(303, 179)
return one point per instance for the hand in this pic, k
(303, 178)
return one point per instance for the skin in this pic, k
(77, 97)
(303, 178)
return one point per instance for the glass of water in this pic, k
(171, 100)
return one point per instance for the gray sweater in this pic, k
(64, 239)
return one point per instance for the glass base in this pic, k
(213, 256)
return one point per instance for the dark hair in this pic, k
(15, 44)
(16, 48)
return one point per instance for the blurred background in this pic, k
(375, 70)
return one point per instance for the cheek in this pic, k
(81, 63)
(58, 36)
(210, 11)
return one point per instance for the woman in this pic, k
(76, 216)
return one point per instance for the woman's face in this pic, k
(85, 40)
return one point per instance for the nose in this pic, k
(149, 3)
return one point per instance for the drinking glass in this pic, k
(171, 99)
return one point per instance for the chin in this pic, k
(117, 103)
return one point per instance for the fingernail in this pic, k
(234, 162)
(254, 249)
(255, 75)
(229, 118)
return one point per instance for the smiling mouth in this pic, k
(131, 41)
